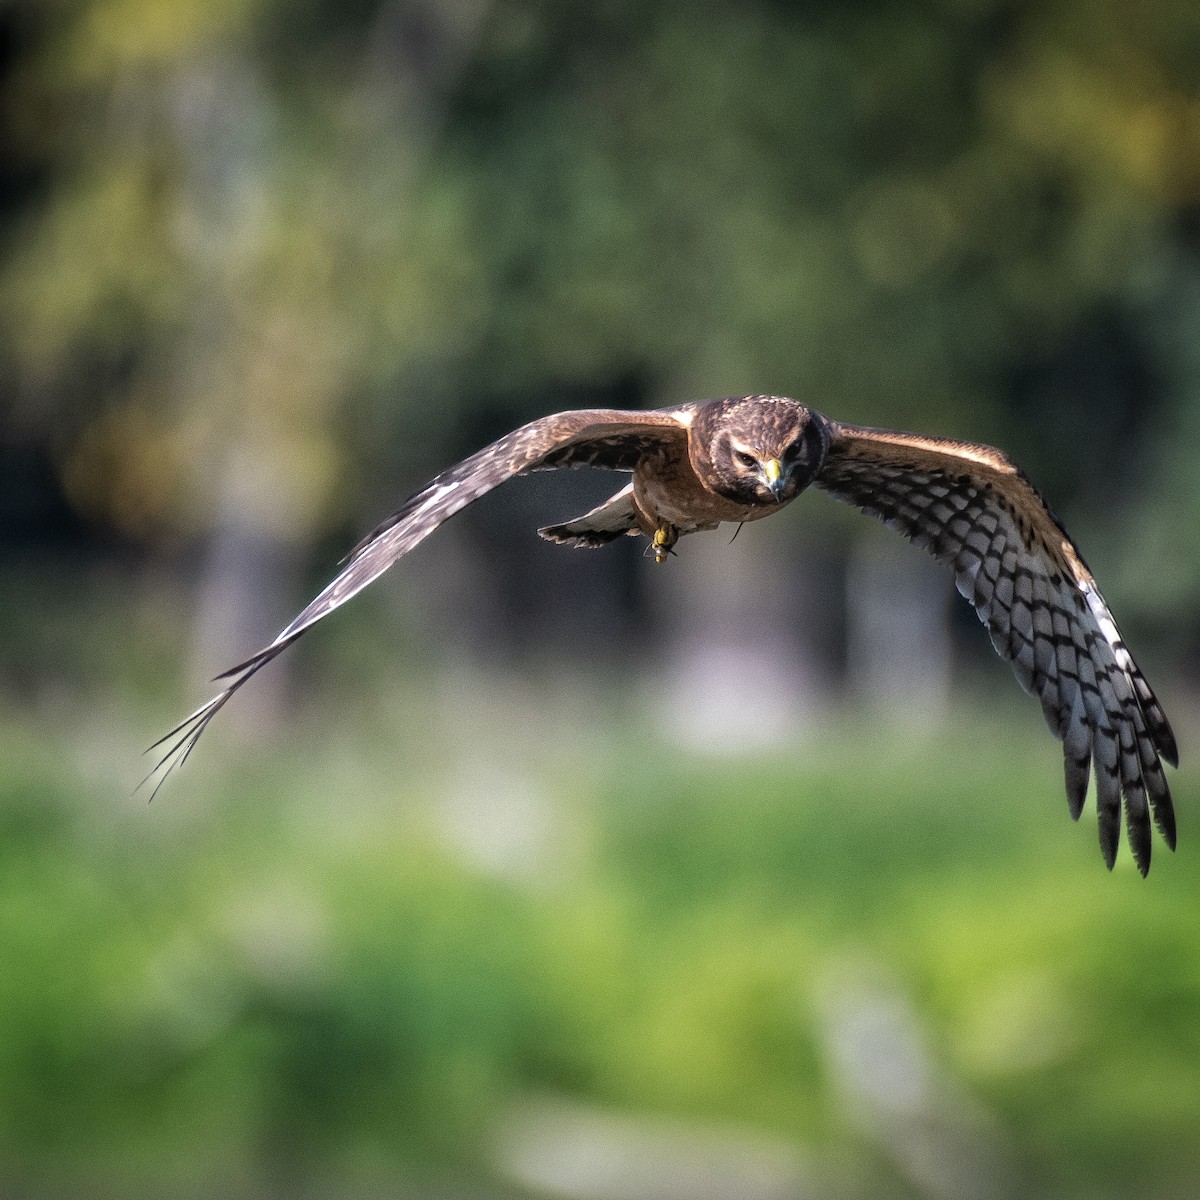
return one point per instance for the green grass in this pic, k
(286, 970)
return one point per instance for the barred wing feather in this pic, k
(605, 438)
(972, 508)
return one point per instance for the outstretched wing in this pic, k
(607, 438)
(971, 507)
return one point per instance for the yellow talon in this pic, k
(665, 536)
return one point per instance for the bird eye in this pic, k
(791, 453)
(747, 460)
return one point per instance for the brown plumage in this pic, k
(697, 465)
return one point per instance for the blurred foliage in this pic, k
(301, 978)
(281, 258)
(325, 229)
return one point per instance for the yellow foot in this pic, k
(665, 537)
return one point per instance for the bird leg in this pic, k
(665, 537)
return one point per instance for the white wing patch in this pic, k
(439, 493)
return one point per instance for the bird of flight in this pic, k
(694, 466)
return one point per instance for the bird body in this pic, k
(666, 488)
(724, 464)
(695, 466)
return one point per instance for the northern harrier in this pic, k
(697, 465)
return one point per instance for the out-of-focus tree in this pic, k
(225, 256)
(277, 248)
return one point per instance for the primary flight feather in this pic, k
(695, 466)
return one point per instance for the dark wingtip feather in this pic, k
(1164, 818)
(1156, 718)
(1110, 836)
(260, 659)
(1138, 824)
(1161, 731)
(186, 734)
(1078, 771)
(255, 660)
(183, 738)
(183, 725)
(1167, 746)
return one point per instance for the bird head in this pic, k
(758, 450)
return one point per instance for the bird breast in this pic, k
(667, 488)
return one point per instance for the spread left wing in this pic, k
(972, 508)
(608, 438)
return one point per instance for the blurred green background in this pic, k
(544, 874)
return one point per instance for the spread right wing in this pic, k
(972, 508)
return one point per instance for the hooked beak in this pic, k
(773, 473)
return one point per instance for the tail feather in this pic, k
(604, 524)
